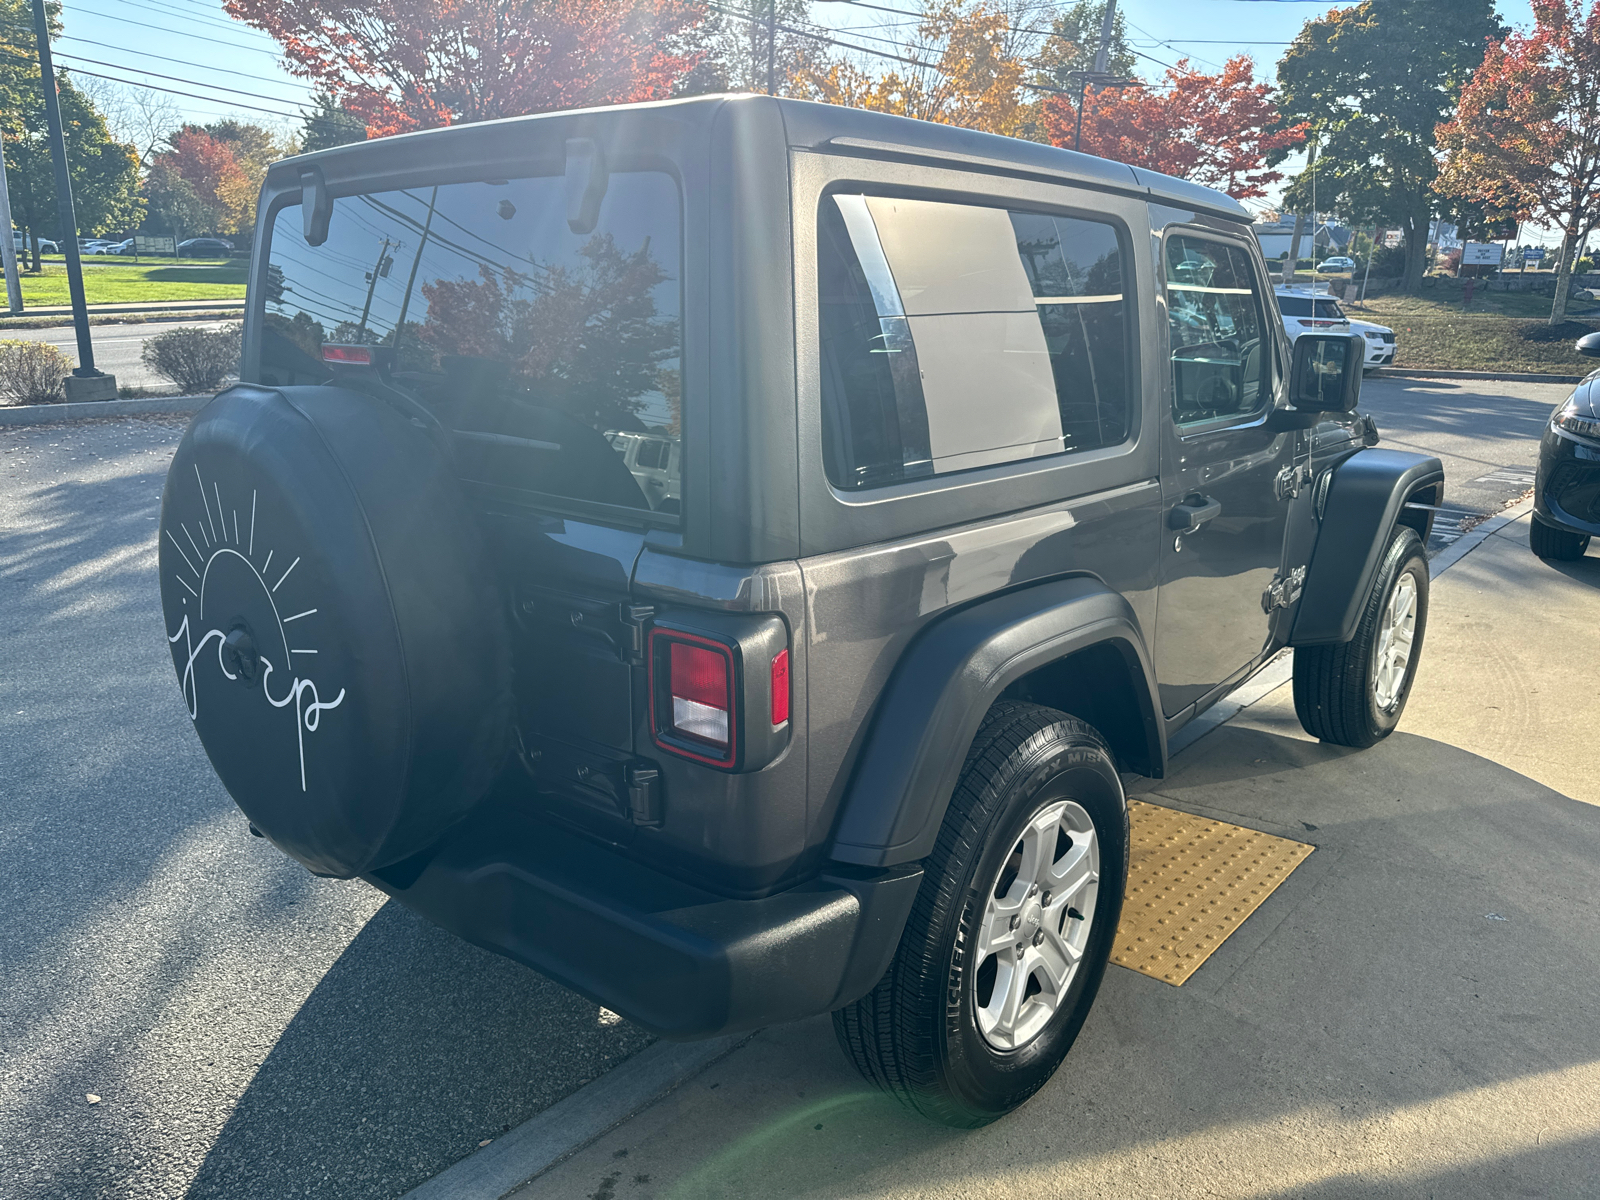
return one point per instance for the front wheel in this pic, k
(1557, 545)
(1352, 694)
(1010, 934)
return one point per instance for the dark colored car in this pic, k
(205, 248)
(1566, 496)
(977, 469)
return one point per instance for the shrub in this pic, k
(197, 360)
(32, 373)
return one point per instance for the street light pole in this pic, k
(8, 249)
(96, 385)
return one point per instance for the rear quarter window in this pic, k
(957, 336)
(537, 346)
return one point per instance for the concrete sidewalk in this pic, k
(1413, 1012)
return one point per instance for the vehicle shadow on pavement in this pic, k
(1581, 570)
(1413, 1010)
(242, 1027)
(412, 1049)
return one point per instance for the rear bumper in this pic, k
(682, 962)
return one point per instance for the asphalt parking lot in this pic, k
(251, 1031)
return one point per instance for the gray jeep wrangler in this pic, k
(722, 553)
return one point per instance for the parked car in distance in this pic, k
(1337, 263)
(205, 247)
(46, 245)
(652, 458)
(101, 246)
(842, 732)
(1566, 488)
(1305, 310)
(122, 247)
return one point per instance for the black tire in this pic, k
(916, 1035)
(1559, 545)
(358, 700)
(1334, 686)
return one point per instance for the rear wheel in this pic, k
(1561, 545)
(1352, 694)
(1005, 948)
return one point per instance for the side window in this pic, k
(1221, 355)
(957, 336)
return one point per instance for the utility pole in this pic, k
(380, 270)
(772, 42)
(8, 249)
(1104, 52)
(85, 383)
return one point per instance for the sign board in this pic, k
(1393, 239)
(1480, 254)
(1533, 253)
(154, 245)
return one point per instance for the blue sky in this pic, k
(192, 46)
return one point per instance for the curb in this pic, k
(109, 310)
(1502, 376)
(569, 1125)
(44, 414)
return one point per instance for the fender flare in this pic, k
(945, 682)
(1363, 504)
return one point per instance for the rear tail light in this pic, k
(719, 687)
(355, 355)
(699, 683)
(694, 696)
(780, 688)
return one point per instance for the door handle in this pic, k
(1193, 512)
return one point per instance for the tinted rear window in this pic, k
(537, 346)
(956, 336)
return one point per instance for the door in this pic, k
(1224, 518)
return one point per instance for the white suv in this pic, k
(1304, 309)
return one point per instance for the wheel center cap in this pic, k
(1032, 917)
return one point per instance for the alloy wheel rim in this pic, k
(1396, 634)
(1037, 916)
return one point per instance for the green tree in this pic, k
(1075, 40)
(104, 172)
(738, 48)
(1373, 82)
(330, 124)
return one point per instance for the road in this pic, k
(116, 347)
(1486, 434)
(253, 1032)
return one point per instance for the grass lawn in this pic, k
(128, 283)
(1498, 331)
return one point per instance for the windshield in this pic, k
(539, 347)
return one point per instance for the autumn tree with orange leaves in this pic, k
(413, 64)
(1525, 139)
(1220, 130)
(960, 71)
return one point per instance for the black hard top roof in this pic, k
(830, 128)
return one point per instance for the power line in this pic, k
(164, 6)
(180, 33)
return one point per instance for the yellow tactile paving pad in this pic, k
(1191, 882)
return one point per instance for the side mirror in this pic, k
(1326, 374)
(1589, 345)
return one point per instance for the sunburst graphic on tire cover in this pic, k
(234, 596)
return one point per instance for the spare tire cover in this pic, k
(335, 623)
